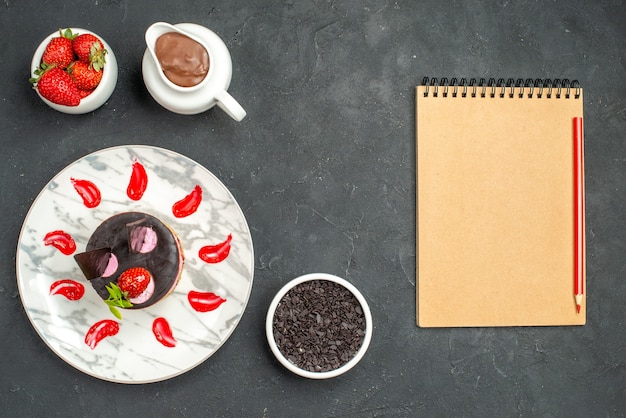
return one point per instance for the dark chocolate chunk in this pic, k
(93, 263)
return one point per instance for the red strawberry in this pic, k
(134, 281)
(85, 77)
(84, 93)
(59, 50)
(89, 48)
(57, 86)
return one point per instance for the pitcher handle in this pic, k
(229, 105)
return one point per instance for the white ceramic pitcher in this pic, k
(211, 91)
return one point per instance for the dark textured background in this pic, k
(323, 167)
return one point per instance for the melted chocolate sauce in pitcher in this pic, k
(184, 61)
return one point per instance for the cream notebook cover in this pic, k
(495, 203)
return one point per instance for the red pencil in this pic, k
(579, 214)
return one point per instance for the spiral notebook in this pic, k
(496, 197)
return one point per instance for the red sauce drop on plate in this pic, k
(101, 330)
(88, 191)
(204, 301)
(163, 332)
(71, 289)
(189, 204)
(215, 253)
(138, 181)
(60, 240)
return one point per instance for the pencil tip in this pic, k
(578, 308)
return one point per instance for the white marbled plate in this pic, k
(134, 355)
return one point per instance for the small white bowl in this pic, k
(269, 331)
(100, 95)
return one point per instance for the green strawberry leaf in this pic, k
(67, 33)
(115, 312)
(116, 299)
(38, 73)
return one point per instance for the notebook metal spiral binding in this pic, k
(500, 88)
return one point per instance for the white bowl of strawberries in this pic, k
(74, 71)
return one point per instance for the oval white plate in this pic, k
(134, 355)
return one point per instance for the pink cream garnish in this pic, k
(145, 295)
(111, 266)
(143, 239)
